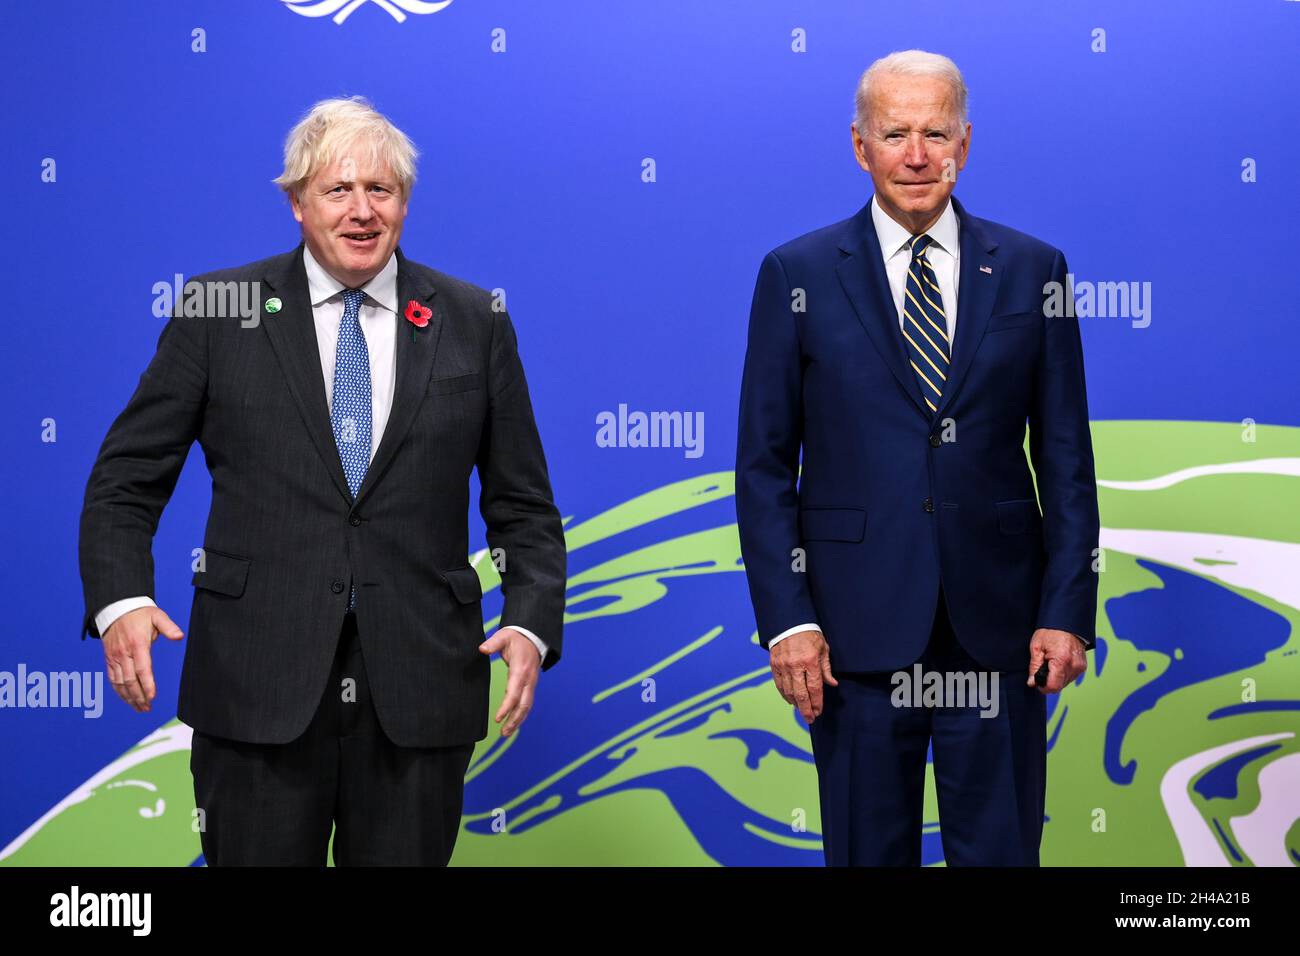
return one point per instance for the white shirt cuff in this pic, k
(537, 641)
(105, 618)
(794, 630)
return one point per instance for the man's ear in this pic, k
(858, 152)
(295, 204)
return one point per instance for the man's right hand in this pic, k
(127, 657)
(800, 663)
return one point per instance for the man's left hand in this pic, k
(523, 664)
(1064, 655)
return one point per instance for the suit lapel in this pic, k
(863, 277)
(976, 292)
(292, 332)
(415, 349)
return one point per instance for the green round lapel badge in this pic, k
(273, 305)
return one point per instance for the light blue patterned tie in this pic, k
(925, 328)
(350, 409)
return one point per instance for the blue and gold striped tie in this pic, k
(925, 327)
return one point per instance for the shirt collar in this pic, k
(381, 289)
(894, 237)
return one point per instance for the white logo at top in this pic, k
(340, 10)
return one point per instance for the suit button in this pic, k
(337, 587)
(935, 441)
(928, 504)
(354, 520)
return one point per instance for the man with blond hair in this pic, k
(897, 557)
(336, 677)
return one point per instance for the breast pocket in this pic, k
(457, 383)
(1013, 320)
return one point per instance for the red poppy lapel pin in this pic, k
(418, 315)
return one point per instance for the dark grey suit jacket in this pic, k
(284, 535)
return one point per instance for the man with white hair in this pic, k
(336, 675)
(904, 562)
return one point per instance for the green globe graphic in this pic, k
(659, 740)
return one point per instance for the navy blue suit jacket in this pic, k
(886, 509)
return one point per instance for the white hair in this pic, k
(333, 125)
(909, 63)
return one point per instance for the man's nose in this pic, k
(360, 204)
(916, 154)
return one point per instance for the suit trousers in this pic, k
(990, 771)
(276, 804)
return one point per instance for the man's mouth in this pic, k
(360, 238)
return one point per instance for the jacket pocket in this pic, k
(464, 583)
(1015, 320)
(458, 383)
(832, 524)
(223, 573)
(1019, 516)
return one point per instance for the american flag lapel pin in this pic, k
(988, 270)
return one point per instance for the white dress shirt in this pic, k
(944, 255)
(379, 318)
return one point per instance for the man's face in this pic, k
(913, 147)
(351, 215)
